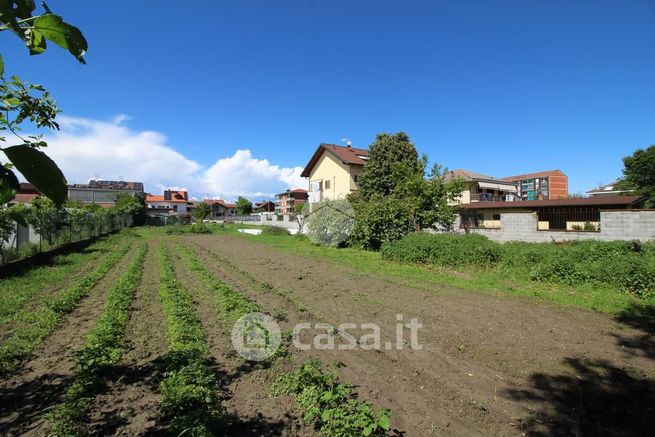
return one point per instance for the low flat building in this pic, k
(557, 214)
(103, 192)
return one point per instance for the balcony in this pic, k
(489, 197)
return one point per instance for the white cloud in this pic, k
(241, 174)
(85, 149)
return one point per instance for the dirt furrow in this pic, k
(130, 405)
(243, 385)
(44, 378)
(477, 348)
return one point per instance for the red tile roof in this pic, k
(541, 174)
(220, 202)
(177, 197)
(347, 154)
(24, 197)
(579, 201)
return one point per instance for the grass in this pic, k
(605, 299)
(17, 291)
(189, 399)
(103, 348)
(35, 326)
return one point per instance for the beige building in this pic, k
(483, 188)
(333, 171)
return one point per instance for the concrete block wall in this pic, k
(624, 225)
(285, 222)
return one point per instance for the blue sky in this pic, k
(500, 87)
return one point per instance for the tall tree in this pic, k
(201, 211)
(397, 195)
(244, 206)
(639, 174)
(385, 154)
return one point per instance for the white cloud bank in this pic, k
(85, 149)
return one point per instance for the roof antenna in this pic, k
(347, 141)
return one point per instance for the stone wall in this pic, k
(286, 221)
(614, 225)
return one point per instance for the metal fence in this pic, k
(569, 219)
(27, 241)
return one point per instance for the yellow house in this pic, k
(333, 171)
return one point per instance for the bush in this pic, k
(200, 228)
(625, 265)
(175, 230)
(444, 250)
(274, 230)
(28, 249)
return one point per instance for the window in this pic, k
(326, 185)
(496, 217)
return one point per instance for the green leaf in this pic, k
(384, 423)
(368, 430)
(63, 34)
(39, 170)
(35, 41)
(9, 185)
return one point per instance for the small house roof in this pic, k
(347, 154)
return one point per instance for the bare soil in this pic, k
(489, 365)
(130, 405)
(44, 378)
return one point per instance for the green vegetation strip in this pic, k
(188, 388)
(231, 302)
(16, 291)
(103, 349)
(330, 405)
(42, 322)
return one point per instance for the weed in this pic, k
(103, 349)
(189, 399)
(40, 323)
(332, 406)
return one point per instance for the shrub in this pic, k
(200, 228)
(175, 230)
(28, 249)
(274, 230)
(444, 250)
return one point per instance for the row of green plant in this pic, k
(36, 325)
(103, 349)
(189, 394)
(16, 291)
(231, 302)
(626, 266)
(330, 405)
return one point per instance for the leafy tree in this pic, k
(201, 211)
(44, 216)
(244, 206)
(129, 204)
(25, 102)
(639, 174)
(7, 229)
(386, 153)
(397, 195)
